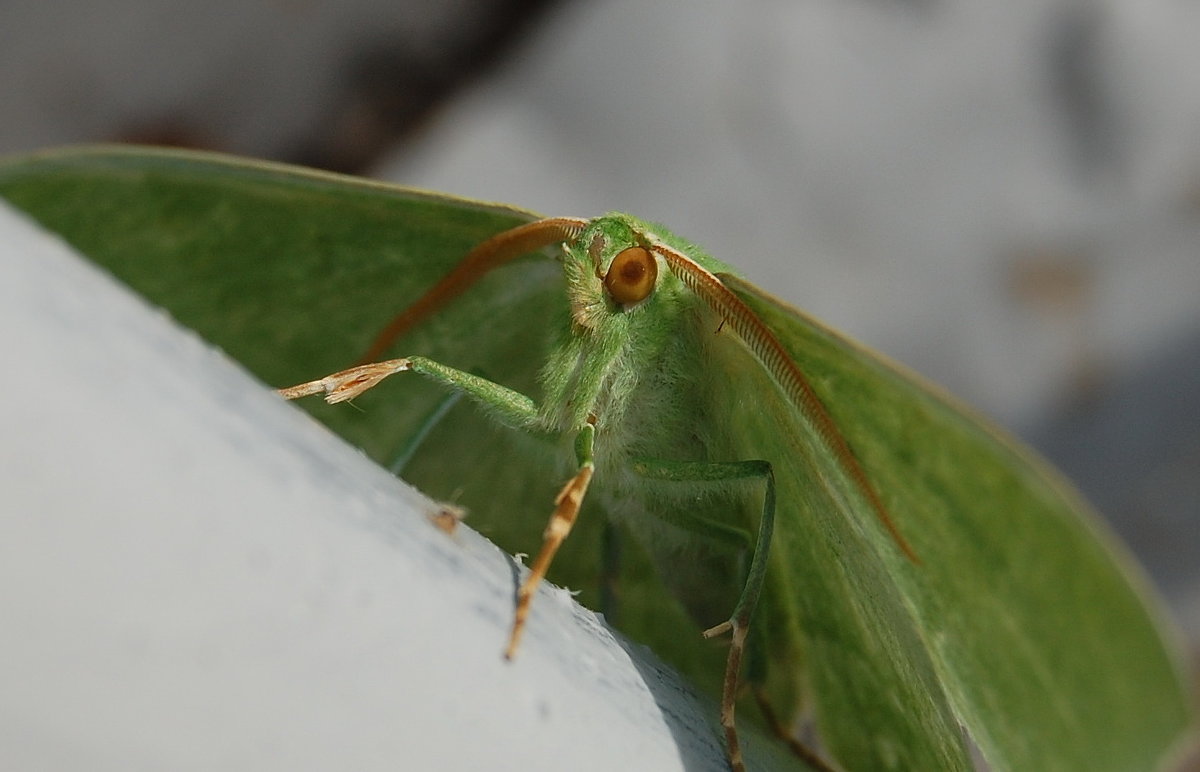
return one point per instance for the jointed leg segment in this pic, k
(738, 624)
(505, 405)
(566, 509)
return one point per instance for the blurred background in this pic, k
(1003, 196)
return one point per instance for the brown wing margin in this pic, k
(771, 353)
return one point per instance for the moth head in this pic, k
(611, 270)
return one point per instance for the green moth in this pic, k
(875, 555)
(698, 405)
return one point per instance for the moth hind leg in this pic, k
(411, 443)
(802, 751)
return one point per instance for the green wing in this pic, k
(1044, 638)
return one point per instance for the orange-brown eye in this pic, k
(631, 276)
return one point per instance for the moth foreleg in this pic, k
(509, 407)
(566, 509)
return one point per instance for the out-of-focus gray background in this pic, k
(1004, 196)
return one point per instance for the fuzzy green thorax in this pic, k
(595, 365)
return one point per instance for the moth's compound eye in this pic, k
(630, 278)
